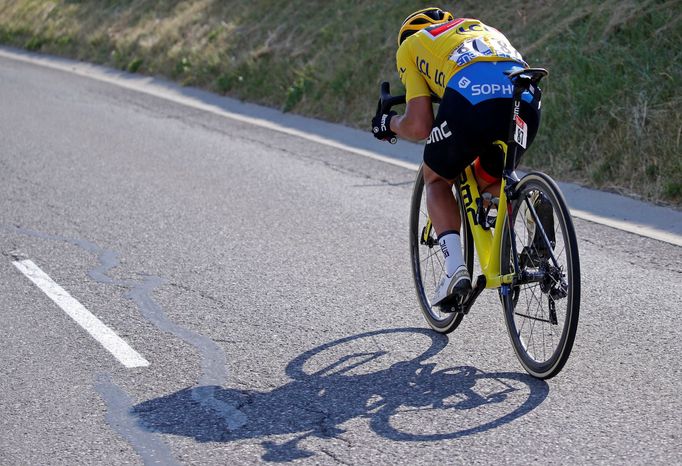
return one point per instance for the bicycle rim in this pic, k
(542, 313)
(428, 264)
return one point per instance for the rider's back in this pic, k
(428, 59)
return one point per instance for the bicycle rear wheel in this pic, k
(541, 308)
(428, 264)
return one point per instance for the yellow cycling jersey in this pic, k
(429, 58)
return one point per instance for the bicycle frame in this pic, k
(487, 243)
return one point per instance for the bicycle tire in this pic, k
(427, 263)
(542, 351)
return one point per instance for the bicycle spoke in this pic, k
(433, 270)
(535, 327)
(532, 324)
(433, 252)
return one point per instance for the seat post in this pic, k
(523, 80)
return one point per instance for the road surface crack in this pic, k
(333, 456)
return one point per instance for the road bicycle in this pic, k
(526, 247)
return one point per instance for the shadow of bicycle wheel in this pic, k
(365, 376)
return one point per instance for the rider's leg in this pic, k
(445, 217)
(492, 188)
(441, 202)
(486, 182)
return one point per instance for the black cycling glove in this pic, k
(381, 124)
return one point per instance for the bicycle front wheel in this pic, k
(428, 264)
(541, 308)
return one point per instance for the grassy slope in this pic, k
(612, 107)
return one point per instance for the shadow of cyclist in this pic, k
(323, 396)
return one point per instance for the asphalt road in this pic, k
(266, 280)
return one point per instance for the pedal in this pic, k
(451, 304)
(475, 291)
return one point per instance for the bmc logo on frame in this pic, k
(439, 133)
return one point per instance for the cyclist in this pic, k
(462, 61)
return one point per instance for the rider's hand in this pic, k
(381, 124)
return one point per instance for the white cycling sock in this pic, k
(452, 251)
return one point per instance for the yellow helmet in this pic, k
(422, 19)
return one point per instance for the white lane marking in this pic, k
(143, 85)
(100, 332)
(630, 227)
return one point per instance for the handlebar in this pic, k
(388, 100)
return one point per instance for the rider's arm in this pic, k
(417, 121)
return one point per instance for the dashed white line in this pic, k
(100, 332)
